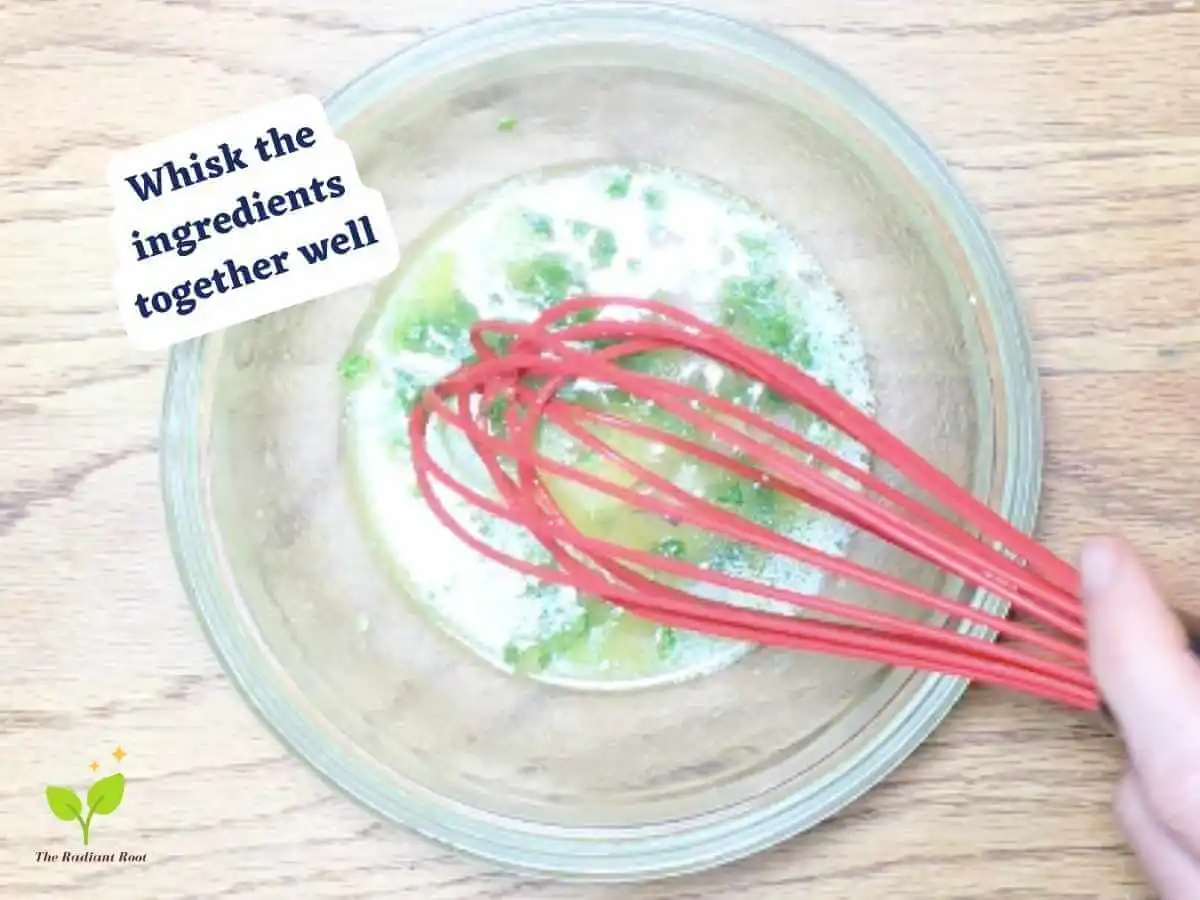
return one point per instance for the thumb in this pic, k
(1137, 647)
(1140, 658)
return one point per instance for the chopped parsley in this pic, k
(540, 225)
(752, 309)
(672, 548)
(603, 248)
(508, 123)
(618, 188)
(762, 505)
(582, 317)
(654, 199)
(756, 502)
(731, 494)
(802, 353)
(354, 367)
(442, 328)
(408, 390)
(500, 342)
(408, 393)
(537, 656)
(666, 640)
(546, 278)
(528, 660)
(497, 416)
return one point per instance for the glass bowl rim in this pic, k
(590, 853)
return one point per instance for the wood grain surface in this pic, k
(1075, 125)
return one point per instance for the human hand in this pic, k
(1151, 683)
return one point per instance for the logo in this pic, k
(103, 798)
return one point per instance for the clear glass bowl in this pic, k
(607, 786)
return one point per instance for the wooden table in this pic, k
(1075, 124)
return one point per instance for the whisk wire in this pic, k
(542, 359)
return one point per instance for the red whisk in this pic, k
(525, 377)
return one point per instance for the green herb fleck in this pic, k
(762, 506)
(538, 656)
(582, 317)
(634, 265)
(771, 401)
(527, 660)
(775, 334)
(499, 342)
(497, 416)
(618, 188)
(731, 494)
(746, 296)
(580, 229)
(672, 548)
(548, 277)
(540, 225)
(354, 367)
(752, 310)
(803, 352)
(603, 249)
(654, 199)
(444, 328)
(408, 390)
(508, 123)
(753, 307)
(666, 640)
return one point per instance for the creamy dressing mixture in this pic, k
(644, 232)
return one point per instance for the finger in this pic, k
(1138, 650)
(1171, 869)
(1140, 658)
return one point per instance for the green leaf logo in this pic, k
(64, 803)
(105, 795)
(103, 798)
